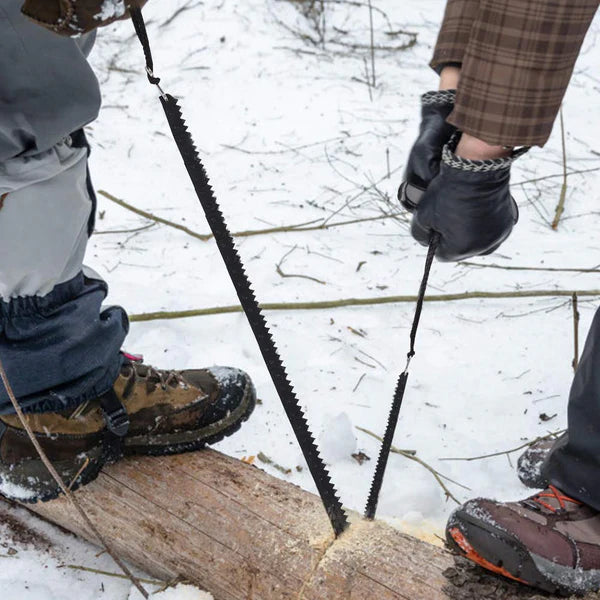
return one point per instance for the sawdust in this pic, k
(363, 539)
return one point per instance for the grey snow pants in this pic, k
(58, 346)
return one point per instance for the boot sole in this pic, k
(190, 441)
(503, 554)
(187, 441)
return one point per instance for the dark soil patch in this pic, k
(19, 533)
(467, 581)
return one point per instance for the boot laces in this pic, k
(152, 377)
(555, 494)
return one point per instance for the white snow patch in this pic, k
(337, 440)
(15, 491)
(226, 376)
(111, 9)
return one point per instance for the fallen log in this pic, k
(244, 535)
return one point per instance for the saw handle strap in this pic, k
(390, 430)
(434, 242)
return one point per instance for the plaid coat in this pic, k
(517, 59)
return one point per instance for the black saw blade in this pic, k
(224, 240)
(386, 444)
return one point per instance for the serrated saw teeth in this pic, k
(235, 268)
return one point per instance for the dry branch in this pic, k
(551, 435)
(542, 269)
(436, 474)
(344, 302)
(563, 190)
(314, 225)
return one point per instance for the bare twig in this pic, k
(387, 161)
(544, 269)
(436, 474)
(555, 175)
(575, 332)
(563, 190)
(181, 10)
(550, 436)
(236, 308)
(359, 382)
(109, 574)
(155, 218)
(135, 230)
(281, 273)
(372, 42)
(314, 225)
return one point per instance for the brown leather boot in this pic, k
(549, 541)
(147, 412)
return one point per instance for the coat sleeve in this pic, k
(455, 32)
(75, 17)
(516, 67)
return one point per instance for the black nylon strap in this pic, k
(235, 268)
(140, 29)
(386, 444)
(433, 244)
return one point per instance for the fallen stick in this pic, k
(343, 302)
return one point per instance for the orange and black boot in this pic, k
(549, 541)
(148, 411)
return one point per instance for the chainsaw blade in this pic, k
(233, 263)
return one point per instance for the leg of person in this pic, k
(86, 402)
(516, 69)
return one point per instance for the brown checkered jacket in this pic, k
(517, 59)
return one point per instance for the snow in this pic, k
(337, 440)
(111, 9)
(289, 134)
(18, 492)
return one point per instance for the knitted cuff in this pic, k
(439, 98)
(450, 158)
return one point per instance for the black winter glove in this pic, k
(468, 204)
(426, 154)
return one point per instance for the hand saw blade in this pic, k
(386, 443)
(224, 240)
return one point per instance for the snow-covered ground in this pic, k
(290, 134)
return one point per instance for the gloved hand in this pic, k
(426, 154)
(468, 204)
(74, 17)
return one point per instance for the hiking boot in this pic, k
(548, 541)
(531, 462)
(146, 412)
